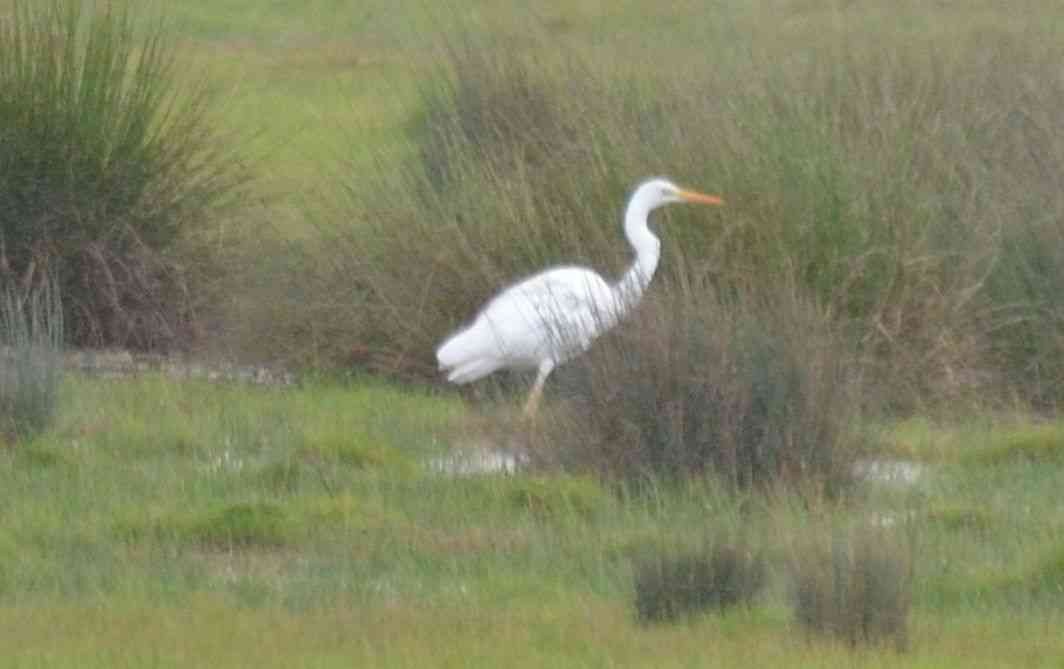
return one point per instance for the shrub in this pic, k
(674, 585)
(858, 588)
(755, 391)
(31, 358)
(111, 171)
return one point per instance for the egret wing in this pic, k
(556, 315)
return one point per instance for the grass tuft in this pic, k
(857, 589)
(31, 358)
(258, 524)
(754, 393)
(672, 586)
(112, 173)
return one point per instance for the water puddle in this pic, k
(475, 461)
(890, 472)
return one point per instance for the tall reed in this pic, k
(31, 357)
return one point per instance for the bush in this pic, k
(111, 171)
(755, 391)
(858, 589)
(31, 358)
(671, 586)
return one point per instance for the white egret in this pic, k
(553, 316)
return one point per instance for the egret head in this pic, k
(654, 193)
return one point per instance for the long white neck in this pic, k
(629, 290)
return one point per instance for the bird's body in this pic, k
(551, 317)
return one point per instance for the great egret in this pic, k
(553, 316)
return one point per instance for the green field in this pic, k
(176, 523)
(164, 523)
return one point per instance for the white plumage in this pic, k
(553, 316)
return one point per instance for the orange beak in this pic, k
(700, 198)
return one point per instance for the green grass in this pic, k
(982, 439)
(187, 522)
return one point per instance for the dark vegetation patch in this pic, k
(31, 362)
(855, 586)
(673, 585)
(698, 385)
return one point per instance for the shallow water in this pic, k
(894, 472)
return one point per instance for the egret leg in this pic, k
(532, 405)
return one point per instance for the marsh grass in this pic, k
(241, 525)
(856, 587)
(112, 173)
(31, 357)
(194, 498)
(702, 385)
(677, 585)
